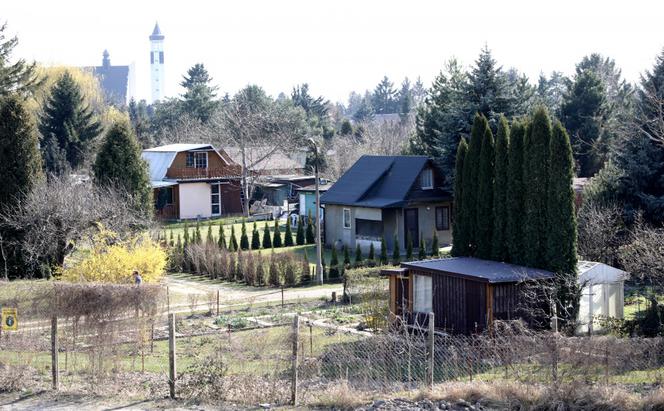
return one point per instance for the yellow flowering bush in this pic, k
(112, 261)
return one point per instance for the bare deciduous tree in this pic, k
(601, 232)
(57, 215)
(643, 257)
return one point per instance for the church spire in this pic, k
(156, 33)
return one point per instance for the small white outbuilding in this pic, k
(603, 294)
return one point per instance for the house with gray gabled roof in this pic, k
(388, 196)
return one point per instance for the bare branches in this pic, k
(644, 256)
(600, 232)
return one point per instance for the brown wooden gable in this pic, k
(217, 167)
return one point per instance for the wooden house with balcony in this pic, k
(193, 181)
(388, 197)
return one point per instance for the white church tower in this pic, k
(157, 63)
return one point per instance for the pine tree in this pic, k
(299, 236)
(536, 171)
(372, 253)
(561, 218)
(358, 255)
(484, 225)
(221, 241)
(20, 162)
(460, 235)
(273, 272)
(346, 256)
(244, 238)
(232, 242)
(267, 239)
(515, 194)
(422, 252)
(409, 246)
(199, 99)
(310, 231)
(468, 218)
(500, 187)
(288, 236)
(383, 252)
(119, 164)
(255, 238)
(435, 248)
(396, 252)
(305, 270)
(276, 239)
(209, 238)
(68, 125)
(334, 264)
(19, 78)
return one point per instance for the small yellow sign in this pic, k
(9, 319)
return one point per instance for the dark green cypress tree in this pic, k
(334, 263)
(346, 256)
(484, 225)
(20, 162)
(561, 218)
(460, 235)
(221, 241)
(244, 238)
(267, 238)
(209, 238)
(372, 253)
(470, 176)
(276, 238)
(422, 252)
(288, 235)
(119, 164)
(358, 256)
(536, 171)
(396, 251)
(311, 238)
(409, 246)
(299, 236)
(435, 248)
(187, 240)
(500, 187)
(515, 194)
(170, 238)
(197, 233)
(68, 123)
(255, 238)
(232, 242)
(383, 252)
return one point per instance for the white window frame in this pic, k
(218, 198)
(426, 179)
(346, 220)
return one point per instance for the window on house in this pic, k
(426, 179)
(346, 218)
(196, 160)
(442, 218)
(368, 229)
(422, 298)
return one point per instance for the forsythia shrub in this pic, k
(113, 261)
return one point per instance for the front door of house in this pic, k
(412, 226)
(215, 199)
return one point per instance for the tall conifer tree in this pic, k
(484, 224)
(470, 176)
(459, 230)
(515, 194)
(535, 176)
(500, 187)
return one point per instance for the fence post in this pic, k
(54, 352)
(282, 296)
(432, 339)
(168, 300)
(171, 354)
(296, 338)
(217, 303)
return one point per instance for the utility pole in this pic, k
(319, 251)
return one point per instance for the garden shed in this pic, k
(602, 295)
(465, 294)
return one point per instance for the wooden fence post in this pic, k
(296, 338)
(171, 354)
(217, 303)
(168, 300)
(432, 343)
(54, 353)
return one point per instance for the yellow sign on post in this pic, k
(9, 319)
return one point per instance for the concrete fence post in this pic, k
(54, 353)
(431, 344)
(295, 359)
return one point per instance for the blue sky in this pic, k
(336, 46)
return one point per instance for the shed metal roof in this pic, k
(376, 181)
(176, 148)
(482, 270)
(158, 162)
(591, 272)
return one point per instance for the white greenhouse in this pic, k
(602, 296)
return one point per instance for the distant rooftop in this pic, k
(178, 147)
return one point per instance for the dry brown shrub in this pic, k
(339, 396)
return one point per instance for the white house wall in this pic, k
(195, 200)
